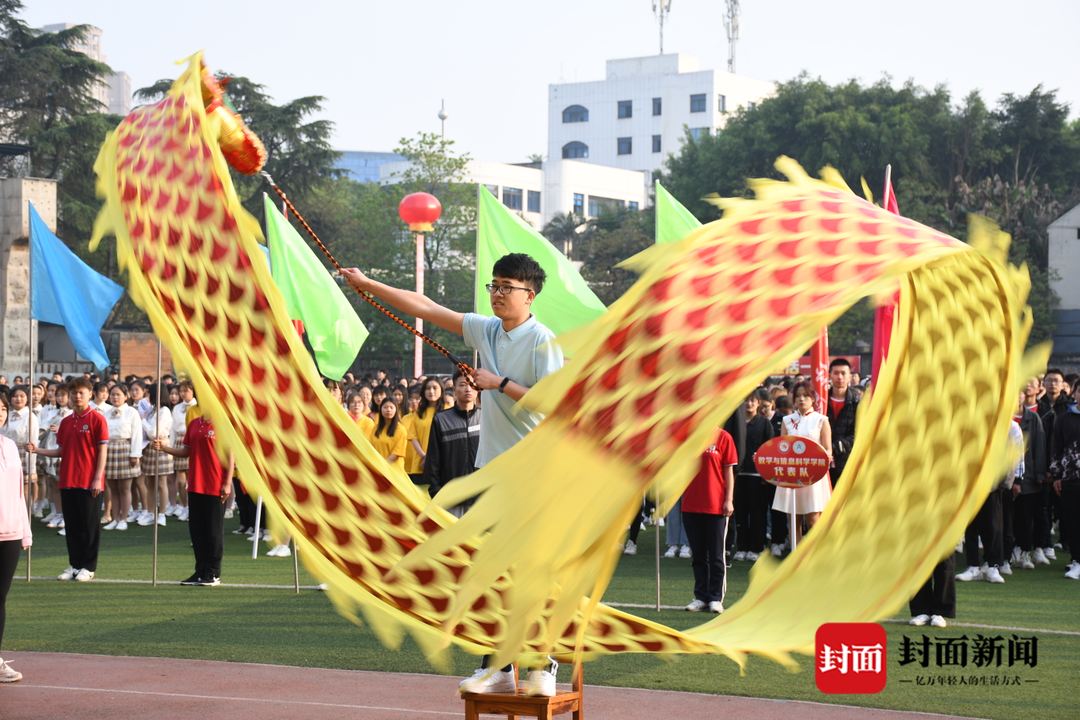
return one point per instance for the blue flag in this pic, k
(66, 291)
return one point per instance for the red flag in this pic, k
(885, 314)
(819, 368)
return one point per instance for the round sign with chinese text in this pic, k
(792, 462)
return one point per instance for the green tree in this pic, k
(612, 237)
(564, 230)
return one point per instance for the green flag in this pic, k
(565, 302)
(673, 221)
(311, 295)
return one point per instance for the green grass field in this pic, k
(278, 626)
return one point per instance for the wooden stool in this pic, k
(519, 703)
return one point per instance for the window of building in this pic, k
(579, 204)
(534, 201)
(575, 150)
(596, 203)
(751, 105)
(696, 133)
(512, 198)
(493, 189)
(626, 108)
(633, 206)
(697, 103)
(575, 113)
(626, 146)
(656, 143)
(656, 106)
(721, 103)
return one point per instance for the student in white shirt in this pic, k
(125, 449)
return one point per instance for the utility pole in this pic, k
(661, 8)
(731, 25)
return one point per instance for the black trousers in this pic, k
(1024, 510)
(1070, 518)
(987, 525)
(9, 558)
(707, 534)
(779, 520)
(1008, 533)
(751, 511)
(206, 523)
(938, 595)
(246, 506)
(1040, 517)
(82, 527)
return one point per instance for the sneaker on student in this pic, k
(229, 514)
(170, 510)
(994, 576)
(56, 521)
(937, 621)
(145, 518)
(193, 580)
(777, 550)
(1025, 561)
(249, 531)
(630, 549)
(1016, 553)
(1005, 569)
(121, 525)
(919, 620)
(972, 573)
(60, 524)
(112, 525)
(62, 532)
(740, 556)
(485, 680)
(210, 582)
(672, 551)
(49, 518)
(1039, 557)
(240, 530)
(960, 546)
(322, 587)
(1074, 571)
(1049, 553)
(8, 673)
(684, 552)
(161, 519)
(182, 514)
(696, 606)
(716, 607)
(542, 682)
(37, 511)
(280, 551)
(84, 575)
(133, 515)
(68, 574)
(752, 556)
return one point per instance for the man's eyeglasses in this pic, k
(504, 289)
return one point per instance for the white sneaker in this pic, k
(1005, 569)
(145, 518)
(170, 510)
(228, 514)
(1074, 571)
(960, 546)
(161, 519)
(994, 576)
(68, 574)
(133, 515)
(49, 518)
(937, 621)
(542, 682)
(486, 681)
(121, 525)
(106, 519)
(1025, 561)
(55, 521)
(777, 550)
(740, 556)
(630, 549)
(112, 526)
(1050, 553)
(62, 532)
(60, 524)
(919, 620)
(672, 551)
(84, 575)
(696, 606)
(716, 607)
(182, 514)
(752, 556)
(280, 551)
(684, 552)
(8, 673)
(972, 573)
(1039, 557)
(322, 587)
(37, 511)
(1016, 555)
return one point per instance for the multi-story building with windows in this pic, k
(641, 111)
(115, 93)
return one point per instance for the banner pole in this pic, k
(295, 567)
(30, 434)
(791, 529)
(157, 460)
(258, 533)
(656, 526)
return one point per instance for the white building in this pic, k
(539, 191)
(115, 93)
(636, 116)
(1064, 249)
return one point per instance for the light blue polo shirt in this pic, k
(525, 355)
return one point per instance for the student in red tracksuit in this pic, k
(209, 483)
(706, 507)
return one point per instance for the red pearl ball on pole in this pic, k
(419, 211)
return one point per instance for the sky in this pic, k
(384, 69)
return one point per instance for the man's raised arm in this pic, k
(406, 301)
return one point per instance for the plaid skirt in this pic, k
(179, 464)
(155, 462)
(118, 462)
(22, 460)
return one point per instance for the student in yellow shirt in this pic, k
(419, 429)
(389, 438)
(358, 409)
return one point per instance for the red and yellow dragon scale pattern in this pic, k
(648, 383)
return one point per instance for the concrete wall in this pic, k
(1064, 249)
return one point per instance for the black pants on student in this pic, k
(987, 525)
(1024, 510)
(82, 527)
(1070, 518)
(1041, 524)
(707, 534)
(246, 506)
(938, 595)
(206, 523)
(750, 512)
(9, 558)
(779, 520)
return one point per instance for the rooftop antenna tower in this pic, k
(731, 24)
(661, 8)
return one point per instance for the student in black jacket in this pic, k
(751, 506)
(454, 439)
(840, 410)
